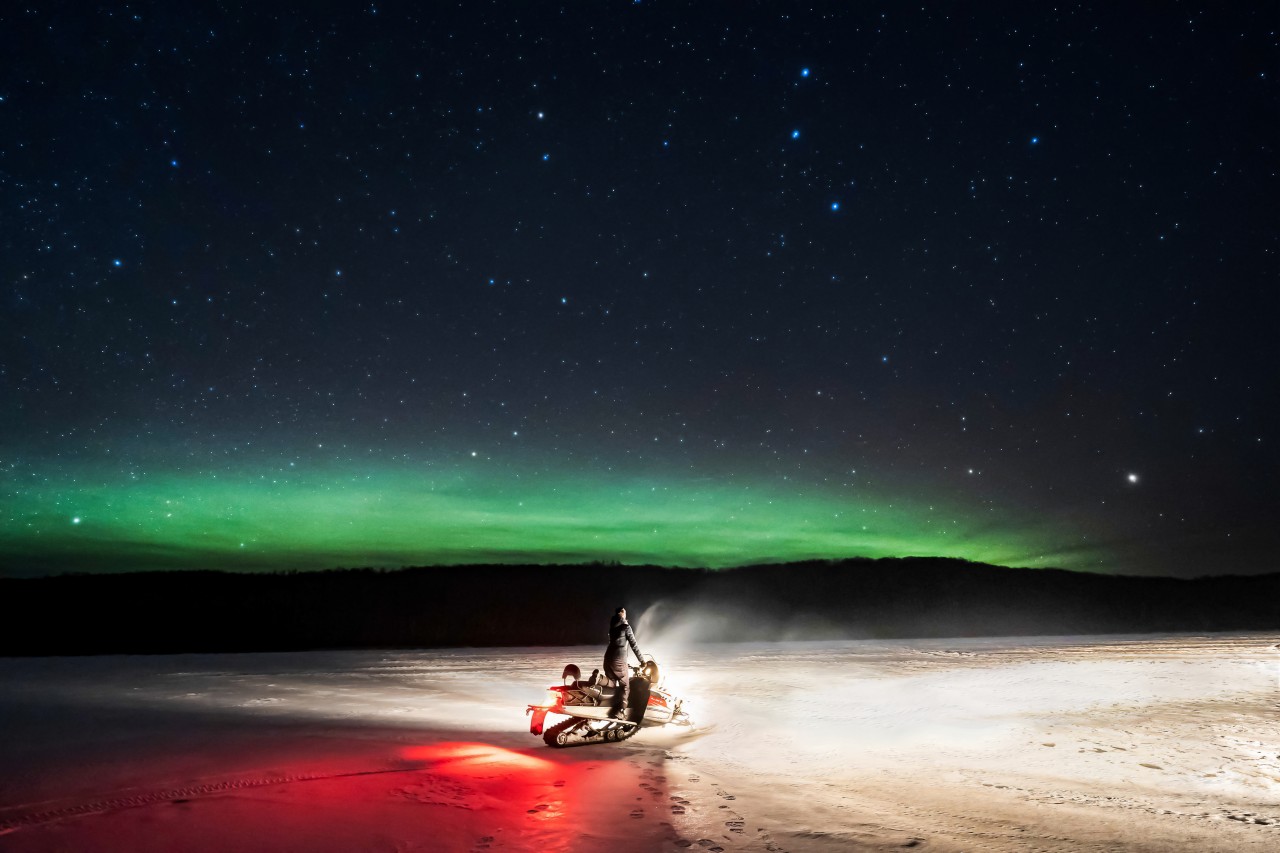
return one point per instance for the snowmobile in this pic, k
(587, 704)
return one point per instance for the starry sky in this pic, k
(702, 284)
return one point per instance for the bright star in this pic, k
(546, 156)
(1035, 140)
(804, 72)
(75, 520)
(835, 206)
(795, 134)
(173, 163)
(1133, 478)
(117, 263)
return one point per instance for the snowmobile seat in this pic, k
(598, 688)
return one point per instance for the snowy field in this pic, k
(1103, 743)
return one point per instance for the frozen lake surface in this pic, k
(1160, 743)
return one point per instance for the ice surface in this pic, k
(1166, 740)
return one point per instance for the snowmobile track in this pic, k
(27, 816)
(552, 735)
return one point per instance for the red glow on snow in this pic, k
(463, 756)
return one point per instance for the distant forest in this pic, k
(506, 605)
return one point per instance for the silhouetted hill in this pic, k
(563, 605)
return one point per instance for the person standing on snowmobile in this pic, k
(615, 659)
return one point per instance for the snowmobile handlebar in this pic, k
(648, 670)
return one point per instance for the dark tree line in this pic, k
(505, 605)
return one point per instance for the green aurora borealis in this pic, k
(399, 517)
(441, 284)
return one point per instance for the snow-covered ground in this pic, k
(1151, 743)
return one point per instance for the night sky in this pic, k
(693, 284)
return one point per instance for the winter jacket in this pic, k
(620, 635)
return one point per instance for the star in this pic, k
(1132, 478)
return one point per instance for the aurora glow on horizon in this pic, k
(301, 287)
(396, 518)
